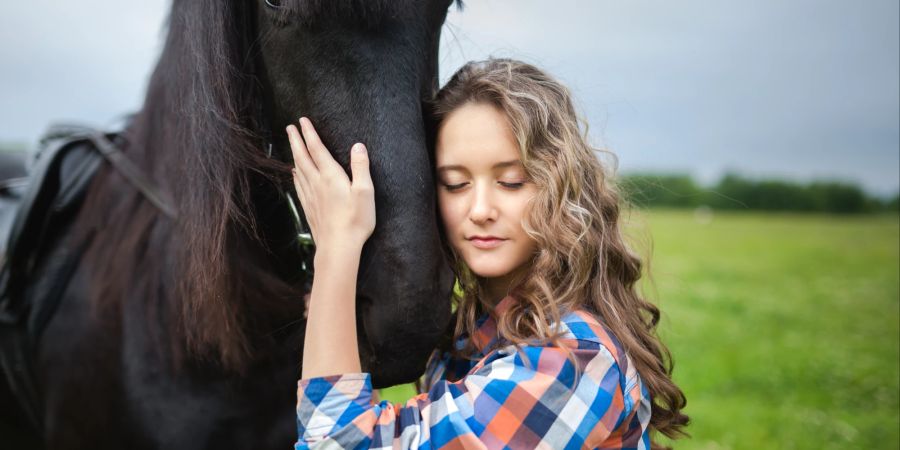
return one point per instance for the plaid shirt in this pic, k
(530, 398)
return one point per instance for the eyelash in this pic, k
(456, 187)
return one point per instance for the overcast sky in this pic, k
(770, 88)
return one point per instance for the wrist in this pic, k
(342, 253)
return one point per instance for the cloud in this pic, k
(85, 61)
(803, 89)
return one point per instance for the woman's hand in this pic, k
(339, 212)
(341, 216)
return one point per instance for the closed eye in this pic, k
(454, 187)
(511, 185)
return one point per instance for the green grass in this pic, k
(785, 328)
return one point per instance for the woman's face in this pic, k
(483, 192)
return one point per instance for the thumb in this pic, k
(359, 166)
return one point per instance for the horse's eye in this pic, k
(273, 4)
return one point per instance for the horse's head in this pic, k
(361, 70)
(231, 76)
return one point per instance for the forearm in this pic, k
(330, 346)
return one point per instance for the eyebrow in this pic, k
(499, 165)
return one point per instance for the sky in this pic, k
(796, 89)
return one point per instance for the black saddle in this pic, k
(33, 211)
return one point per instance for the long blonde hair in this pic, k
(582, 261)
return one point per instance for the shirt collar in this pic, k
(486, 332)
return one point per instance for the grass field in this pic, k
(785, 328)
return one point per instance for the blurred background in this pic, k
(759, 143)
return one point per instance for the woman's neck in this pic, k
(498, 288)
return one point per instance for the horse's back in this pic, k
(33, 204)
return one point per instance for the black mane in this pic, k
(201, 136)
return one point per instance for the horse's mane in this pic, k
(208, 275)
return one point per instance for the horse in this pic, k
(185, 330)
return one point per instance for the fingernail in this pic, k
(359, 148)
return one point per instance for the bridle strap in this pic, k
(304, 233)
(132, 173)
(136, 178)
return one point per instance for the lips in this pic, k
(485, 242)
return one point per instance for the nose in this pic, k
(483, 208)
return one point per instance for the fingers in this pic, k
(359, 167)
(304, 168)
(302, 161)
(300, 184)
(307, 200)
(317, 149)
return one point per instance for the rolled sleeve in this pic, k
(326, 407)
(528, 398)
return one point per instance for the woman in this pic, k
(554, 348)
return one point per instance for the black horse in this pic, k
(187, 332)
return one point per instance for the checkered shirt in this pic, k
(525, 398)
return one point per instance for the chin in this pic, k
(489, 269)
(490, 273)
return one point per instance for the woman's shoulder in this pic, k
(582, 325)
(583, 330)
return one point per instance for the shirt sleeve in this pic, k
(517, 399)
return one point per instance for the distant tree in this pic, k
(734, 191)
(892, 204)
(660, 190)
(841, 198)
(731, 192)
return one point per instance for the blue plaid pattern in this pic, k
(525, 397)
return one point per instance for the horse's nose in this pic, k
(403, 306)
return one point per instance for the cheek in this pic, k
(519, 211)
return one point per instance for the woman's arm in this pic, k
(341, 216)
(330, 347)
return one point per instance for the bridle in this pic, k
(304, 234)
(155, 196)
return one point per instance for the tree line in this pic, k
(735, 192)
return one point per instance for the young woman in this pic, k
(553, 346)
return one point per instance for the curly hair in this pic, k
(582, 260)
